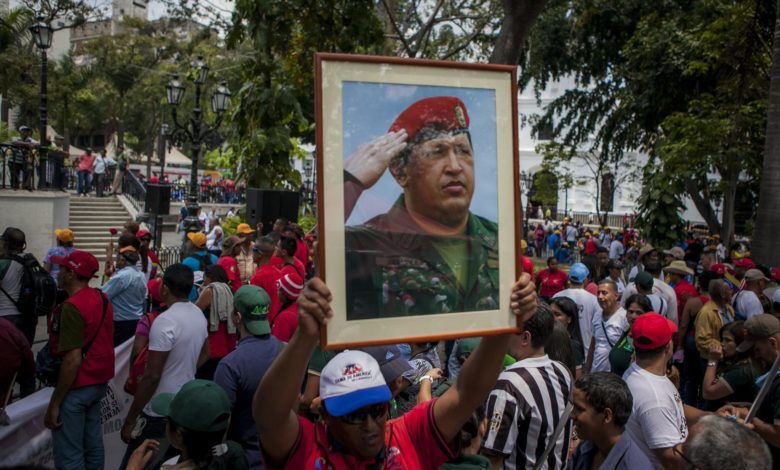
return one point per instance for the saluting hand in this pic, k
(370, 160)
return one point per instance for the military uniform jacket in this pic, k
(393, 268)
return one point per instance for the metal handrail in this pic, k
(135, 190)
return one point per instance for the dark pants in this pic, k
(153, 428)
(99, 180)
(692, 374)
(27, 327)
(206, 371)
(17, 174)
(123, 330)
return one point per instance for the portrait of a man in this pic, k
(428, 252)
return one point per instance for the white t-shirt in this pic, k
(658, 303)
(616, 249)
(658, 417)
(181, 330)
(11, 283)
(606, 333)
(589, 306)
(746, 305)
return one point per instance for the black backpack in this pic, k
(204, 260)
(38, 291)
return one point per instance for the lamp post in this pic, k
(526, 179)
(195, 131)
(42, 34)
(307, 170)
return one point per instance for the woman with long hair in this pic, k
(622, 353)
(566, 313)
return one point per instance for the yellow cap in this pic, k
(198, 239)
(65, 235)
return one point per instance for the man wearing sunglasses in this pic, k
(355, 431)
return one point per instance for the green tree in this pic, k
(649, 75)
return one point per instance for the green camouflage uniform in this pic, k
(393, 268)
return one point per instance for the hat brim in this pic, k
(161, 404)
(349, 402)
(746, 345)
(683, 272)
(394, 369)
(61, 261)
(258, 327)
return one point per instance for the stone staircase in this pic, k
(91, 218)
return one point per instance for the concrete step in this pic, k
(93, 200)
(110, 212)
(107, 220)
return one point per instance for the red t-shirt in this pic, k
(231, 267)
(221, 343)
(412, 442)
(266, 277)
(684, 291)
(285, 323)
(551, 283)
(590, 247)
(302, 254)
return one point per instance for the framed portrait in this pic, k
(418, 191)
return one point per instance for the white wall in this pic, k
(37, 214)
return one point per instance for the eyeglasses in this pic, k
(691, 465)
(377, 412)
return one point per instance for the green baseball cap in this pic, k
(200, 405)
(253, 304)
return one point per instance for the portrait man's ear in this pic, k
(398, 170)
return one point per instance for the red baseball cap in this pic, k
(143, 233)
(720, 269)
(447, 113)
(80, 262)
(746, 263)
(651, 331)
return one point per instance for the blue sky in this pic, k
(370, 108)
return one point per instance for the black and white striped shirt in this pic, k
(523, 410)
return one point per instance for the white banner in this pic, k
(27, 441)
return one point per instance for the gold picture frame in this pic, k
(444, 287)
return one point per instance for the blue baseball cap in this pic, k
(578, 273)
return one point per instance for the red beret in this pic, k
(447, 113)
(746, 263)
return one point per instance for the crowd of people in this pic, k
(654, 369)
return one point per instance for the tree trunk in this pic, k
(519, 17)
(765, 249)
(703, 206)
(729, 200)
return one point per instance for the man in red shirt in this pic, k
(81, 331)
(285, 250)
(285, 322)
(230, 248)
(684, 290)
(266, 275)
(355, 432)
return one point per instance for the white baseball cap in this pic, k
(350, 381)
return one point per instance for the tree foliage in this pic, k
(650, 75)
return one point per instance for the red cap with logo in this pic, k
(446, 113)
(651, 331)
(80, 262)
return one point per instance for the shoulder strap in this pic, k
(16, 304)
(554, 438)
(86, 347)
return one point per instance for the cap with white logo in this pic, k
(350, 381)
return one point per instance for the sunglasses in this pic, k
(377, 412)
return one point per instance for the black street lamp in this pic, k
(195, 131)
(42, 34)
(526, 180)
(307, 171)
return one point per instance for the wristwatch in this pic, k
(712, 364)
(426, 377)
